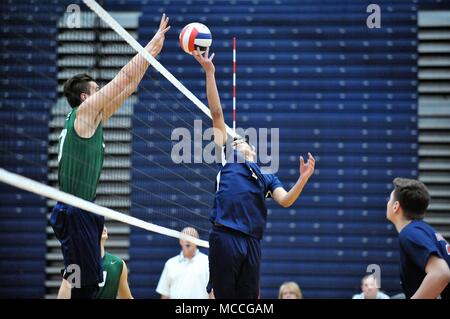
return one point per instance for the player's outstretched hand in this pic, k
(307, 169)
(205, 60)
(157, 42)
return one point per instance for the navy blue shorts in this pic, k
(234, 264)
(79, 233)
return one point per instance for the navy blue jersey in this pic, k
(241, 190)
(418, 241)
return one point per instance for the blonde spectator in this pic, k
(290, 290)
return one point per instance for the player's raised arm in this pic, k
(103, 103)
(220, 132)
(286, 199)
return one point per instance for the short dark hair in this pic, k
(76, 85)
(413, 197)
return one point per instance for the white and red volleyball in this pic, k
(195, 35)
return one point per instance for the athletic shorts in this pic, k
(79, 233)
(234, 264)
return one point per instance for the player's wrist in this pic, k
(303, 178)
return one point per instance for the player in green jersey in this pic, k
(115, 277)
(80, 161)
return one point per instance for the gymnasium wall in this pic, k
(312, 68)
(27, 91)
(335, 88)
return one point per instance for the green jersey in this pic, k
(80, 160)
(112, 270)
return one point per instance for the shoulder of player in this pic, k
(416, 230)
(113, 257)
(70, 115)
(71, 112)
(269, 175)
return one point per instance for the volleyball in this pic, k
(195, 35)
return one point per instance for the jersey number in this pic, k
(62, 137)
(102, 284)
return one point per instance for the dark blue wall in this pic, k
(312, 68)
(27, 90)
(335, 88)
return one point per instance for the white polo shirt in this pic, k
(184, 278)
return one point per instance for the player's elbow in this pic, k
(445, 275)
(131, 88)
(442, 274)
(122, 81)
(285, 203)
(217, 114)
(125, 84)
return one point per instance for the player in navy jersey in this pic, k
(424, 254)
(239, 212)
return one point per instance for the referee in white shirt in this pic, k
(186, 275)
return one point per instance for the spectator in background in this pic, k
(369, 287)
(290, 290)
(185, 276)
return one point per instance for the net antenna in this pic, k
(106, 17)
(234, 85)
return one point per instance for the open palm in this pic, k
(307, 169)
(158, 39)
(205, 60)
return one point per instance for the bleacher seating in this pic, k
(27, 89)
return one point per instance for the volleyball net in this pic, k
(139, 174)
